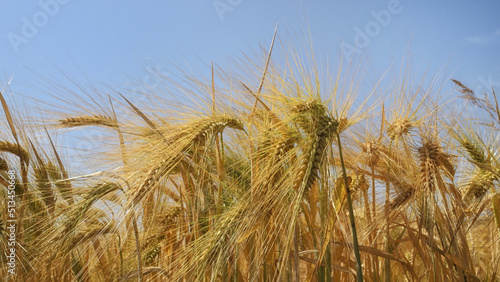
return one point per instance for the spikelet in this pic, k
(88, 233)
(53, 171)
(77, 266)
(399, 128)
(169, 215)
(35, 204)
(343, 124)
(99, 120)
(151, 254)
(44, 186)
(340, 191)
(445, 161)
(372, 152)
(402, 198)
(281, 146)
(473, 149)
(404, 185)
(274, 144)
(479, 184)
(14, 149)
(200, 132)
(320, 129)
(310, 106)
(78, 211)
(102, 189)
(62, 185)
(432, 159)
(464, 89)
(153, 245)
(154, 176)
(359, 183)
(212, 125)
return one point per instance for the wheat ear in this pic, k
(12, 148)
(88, 120)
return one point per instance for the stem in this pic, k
(359, 271)
(296, 253)
(373, 235)
(137, 246)
(121, 253)
(387, 262)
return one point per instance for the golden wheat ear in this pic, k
(59, 175)
(321, 129)
(12, 148)
(98, 120)
(197, 134)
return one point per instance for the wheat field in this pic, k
(276, 171)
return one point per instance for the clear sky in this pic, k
(109, 41)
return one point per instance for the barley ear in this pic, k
(99, 120)
(15, 149)
(62, 183)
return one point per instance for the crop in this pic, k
(269, 174)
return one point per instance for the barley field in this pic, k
(265, 171)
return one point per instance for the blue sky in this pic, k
(109, 41)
